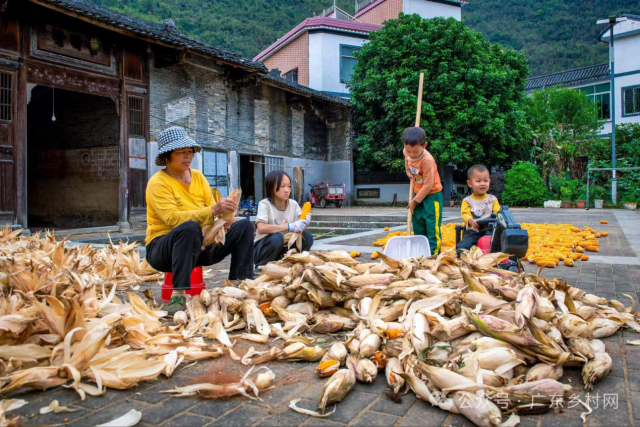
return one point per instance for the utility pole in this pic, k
(612, 21)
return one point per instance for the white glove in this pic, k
(298, 226)
(308, 219)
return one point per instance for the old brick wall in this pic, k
(294, 55)
(246, 116)
(387, 9)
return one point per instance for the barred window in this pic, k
(273, 164)
(136, 116)
(6, 97)
(631, 101)
(215, 170)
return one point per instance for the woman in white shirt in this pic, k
(278, 215)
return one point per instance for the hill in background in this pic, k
(553, 34)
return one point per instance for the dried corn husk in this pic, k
(596, 369)
(364, 369)
(338, 352)
(336, 388)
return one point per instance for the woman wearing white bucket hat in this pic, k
(179, 202)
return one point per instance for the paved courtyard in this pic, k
(610, 273)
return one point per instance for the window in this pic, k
(631, 101)
(601, 95)
(216, 170)
(273, 164)
(292, 76)
(136, 116)
(6, 97)
(347, 62)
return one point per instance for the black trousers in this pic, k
(271, 248)
(470, 238)
(179, 252)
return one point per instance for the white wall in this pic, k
(386, 193)
(324, 60)
(627, 60)
(428, 9)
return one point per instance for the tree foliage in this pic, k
(565, 126)
(472, 97)
(523, 186)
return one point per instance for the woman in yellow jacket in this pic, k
(179, 202)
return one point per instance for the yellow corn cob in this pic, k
(306, 210)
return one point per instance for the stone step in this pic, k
(359, 225)
(104, 239)
(359, 218)
(336, 230)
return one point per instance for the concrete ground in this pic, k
(613, 272)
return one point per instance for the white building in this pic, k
(319, 52)
(595, 80)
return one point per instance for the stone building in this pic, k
(85, 92)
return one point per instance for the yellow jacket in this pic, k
(171, 202)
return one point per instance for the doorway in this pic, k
(73, 159)
(247, 174)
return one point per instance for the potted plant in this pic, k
(629, 201)
(565, 193)
(580, 194)
(597, 194)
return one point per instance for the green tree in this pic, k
(523, 186)
(565, 125)
(473, 90)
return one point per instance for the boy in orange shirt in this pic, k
(426, 204)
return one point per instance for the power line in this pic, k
(207, 132)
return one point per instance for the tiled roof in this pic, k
(304, 90)
(318, 22)
(569, 77)
(377, 2)
(164, 33)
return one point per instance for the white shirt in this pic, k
(269, 214)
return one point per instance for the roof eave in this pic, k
(304, 91)
(258, 67)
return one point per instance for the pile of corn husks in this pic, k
(457, 332)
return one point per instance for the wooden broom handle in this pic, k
(418, 113)
(419, 108)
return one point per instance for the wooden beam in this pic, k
(21, 136)
(123, 198)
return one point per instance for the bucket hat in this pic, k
(174, 138)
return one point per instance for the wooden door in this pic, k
(7, 147)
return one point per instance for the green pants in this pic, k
(427, 220)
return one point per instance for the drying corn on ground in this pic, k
(549, 244)
(459, 333)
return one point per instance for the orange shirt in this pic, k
(424, 173)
